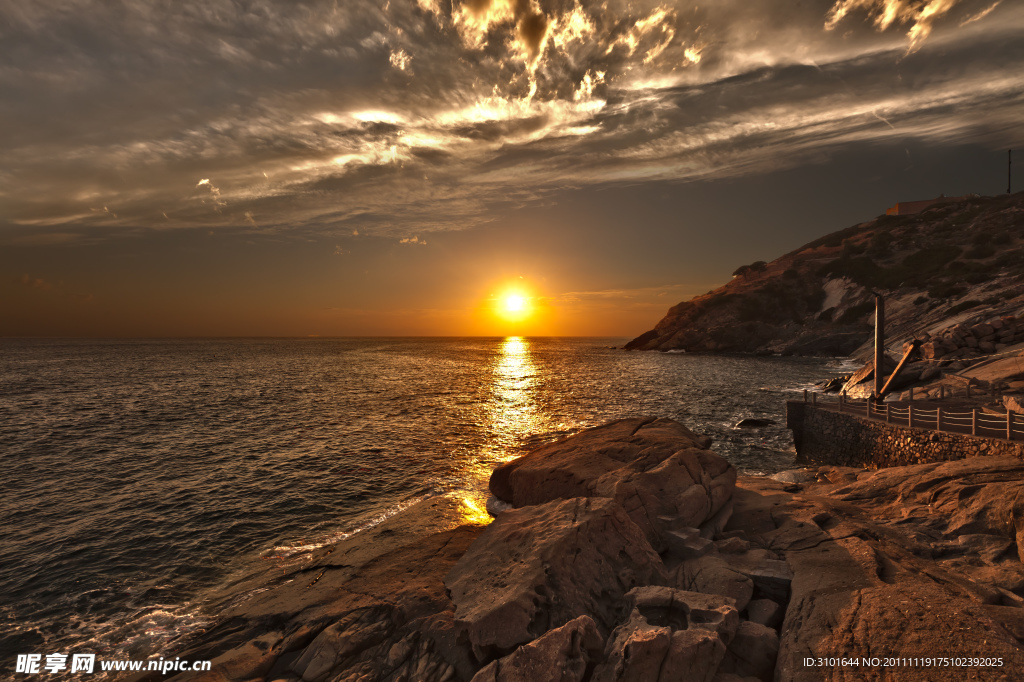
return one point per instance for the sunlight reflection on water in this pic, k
(512, 412)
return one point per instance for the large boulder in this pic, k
(657, 469)
(539, 567)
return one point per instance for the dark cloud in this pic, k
(416, 115)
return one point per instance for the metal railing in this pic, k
(942, 419)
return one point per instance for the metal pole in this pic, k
(879, 344)
(910, 415)
(887, 406)
(974, 422)
(938, 419)
(867, 407)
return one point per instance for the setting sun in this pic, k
(514, 306)
(514, 303)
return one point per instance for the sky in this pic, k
(402, 167)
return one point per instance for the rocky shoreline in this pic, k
(633, 552)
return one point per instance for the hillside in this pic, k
(951, 265)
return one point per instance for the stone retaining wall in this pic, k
(826, 437)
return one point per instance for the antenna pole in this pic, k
(879, 346)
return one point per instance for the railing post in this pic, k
(910, 415)
(867, 407)
(968, 389)
(1009, 424)
(842, 397)
(942, 392)
(974, 419)
(814, 399)
(887, 406)
(938, 419)
(805, 395)
(911, 392)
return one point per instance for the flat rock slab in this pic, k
(539, 567)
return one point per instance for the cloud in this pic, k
(312, 115)
(919, 15)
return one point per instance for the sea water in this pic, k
(137, 474)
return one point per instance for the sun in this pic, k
(513, 305)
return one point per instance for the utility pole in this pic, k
(879, 345)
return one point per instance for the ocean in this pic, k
(137, 474)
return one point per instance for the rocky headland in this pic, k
(631, 551)
(943, 271)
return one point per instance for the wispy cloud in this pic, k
(411, 117)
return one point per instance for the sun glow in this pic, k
(514, 305)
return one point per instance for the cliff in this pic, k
(953, 264)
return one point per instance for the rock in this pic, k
(751, 423)
(879, 578)
(653, 468)
(716, 524)
(712, 574)
(569, 468)
(732, 545)
(771, 578)
(670, 635)
(687, 543)
(980, 331)
(764, 612)
(1014, 402)
(795, 476)
(753, 652)
(539, 567)
(930, 373)
(560, 655)
(990, 548)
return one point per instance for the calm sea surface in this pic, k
(135, 474)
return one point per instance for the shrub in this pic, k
(931, 259)
(945, 290)
(980, 251)
(854, 314)
(964, 305)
